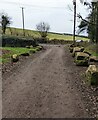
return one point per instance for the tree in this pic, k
(96, 19)
(43, 29)
(5, 21)
(90, 23)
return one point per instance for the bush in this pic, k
(17, 42)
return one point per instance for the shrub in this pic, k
(17, 42)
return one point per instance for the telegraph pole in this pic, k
(23, 20)
(74, 3)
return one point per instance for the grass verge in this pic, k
(93, 49)
(13, 50)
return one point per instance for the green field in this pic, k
(35, 34)
(64, 37)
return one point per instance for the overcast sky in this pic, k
(55, 12)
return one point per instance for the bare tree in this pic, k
(43, 29)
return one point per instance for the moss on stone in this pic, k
(87, 52)
(92, 75)
(81, 58)
(32, 51)
(77, 49)
(39, 47)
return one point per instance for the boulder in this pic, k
(71, 47)
(25, 54)
(31, 46)
(87, 52)
(27, 46)
(93, 59)
(82, 49)
(92, 75)
(39, 47)
(32, 51)
(77, 49)
(14, 58)
(81, 59)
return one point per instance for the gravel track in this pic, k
(44, 86)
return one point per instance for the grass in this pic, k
(52, 36)
(93, 49)
(13, 50)
(19, 32)
(16, 32)
(35, 34)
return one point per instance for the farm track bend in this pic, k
(44, 87)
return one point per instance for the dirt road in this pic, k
(43, 87)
